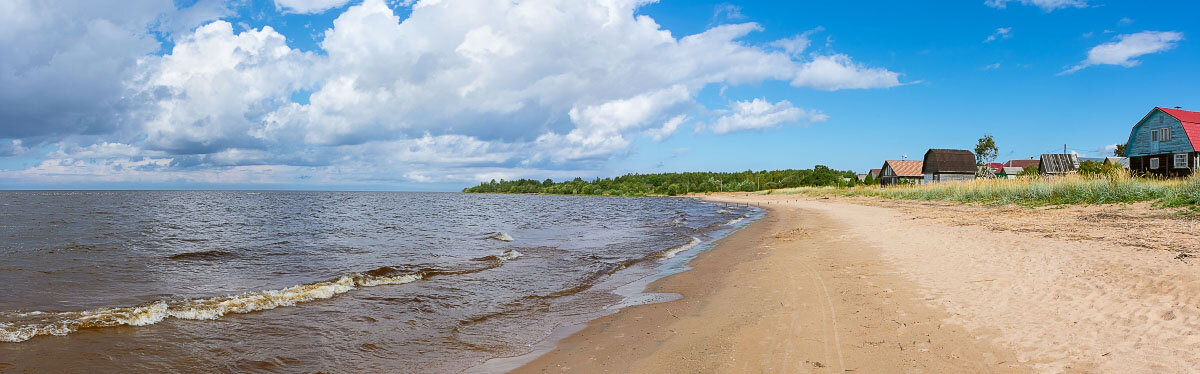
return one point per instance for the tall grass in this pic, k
(1049, 190)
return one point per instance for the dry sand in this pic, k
(874, 286)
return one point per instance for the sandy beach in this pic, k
(863, 285)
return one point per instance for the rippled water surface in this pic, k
(319, 281)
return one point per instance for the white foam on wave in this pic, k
(63, 323)
(675, 251)
(501, 237)
(735, 221)
(509, 255)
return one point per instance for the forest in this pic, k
(671, 184)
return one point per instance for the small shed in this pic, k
(900, 172)
(1009, 172)
(1122, 161)
(1058, 163)
(945, 165)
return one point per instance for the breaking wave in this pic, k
(500, 236)
(669, 253)
(21, 326)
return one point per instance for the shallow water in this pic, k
(320, 281)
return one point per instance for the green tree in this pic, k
(1029, 171)
(1090, 168)
(1120, 151)
(985, 153)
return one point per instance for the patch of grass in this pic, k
(1035, 191)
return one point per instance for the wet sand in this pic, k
(878, 286)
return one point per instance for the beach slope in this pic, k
(797, 291)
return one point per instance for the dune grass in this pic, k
(1034, 191)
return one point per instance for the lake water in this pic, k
(322, 281)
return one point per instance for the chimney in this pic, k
(1178, 107)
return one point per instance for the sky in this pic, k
(437, 95)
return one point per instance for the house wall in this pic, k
(1140, 165)
(1140, 138)
(948, 177)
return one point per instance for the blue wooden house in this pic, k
(1165, 143)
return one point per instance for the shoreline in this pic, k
(871, 285)
(738, 314)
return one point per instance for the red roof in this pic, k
(1190, 121)
(875, 172)
(1021, 163)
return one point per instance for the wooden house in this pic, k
(875, 173)
(946, 165)
(1121, 161)
(1165, 143)
(1009, 172)
(1022, 163)
(1058, 164)
(900, 172)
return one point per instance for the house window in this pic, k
(1164, 134)
(1154, 163)
(1154, 135)
(1181, 161)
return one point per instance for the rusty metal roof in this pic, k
(905, 168)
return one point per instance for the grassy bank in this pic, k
(1071, 189)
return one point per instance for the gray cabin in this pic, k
(1058, 164)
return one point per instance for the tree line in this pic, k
(672, 184)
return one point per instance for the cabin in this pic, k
(1165, 143)
(1009, 172)
(1058, 164)
(900, 172)
(1123, 162)
(947, 165)
(1023, 163)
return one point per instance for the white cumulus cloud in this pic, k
(1046, 5)
(760, 114)
(456, 90)
(1000, 33)
(1125, 50)
(308, 6)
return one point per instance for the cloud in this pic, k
(838, 72)
(66, 63)
(308, 6)
(992, 66)
(796, 45)
(456, 90)
(760, 114)
(1124, 21)
(1127, 48)
(1001, 33)
(1046, 5)
(726, 11)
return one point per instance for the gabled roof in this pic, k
(1190, 121)
(905, 168)
(949, 161)
(875, 172)
(1021, 163)
(1123, 161)
(1011, 170)
(1059, 163)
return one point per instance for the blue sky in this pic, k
(388, 95)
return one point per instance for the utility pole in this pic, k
(1064, 149)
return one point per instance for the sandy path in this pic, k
(799, 291)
